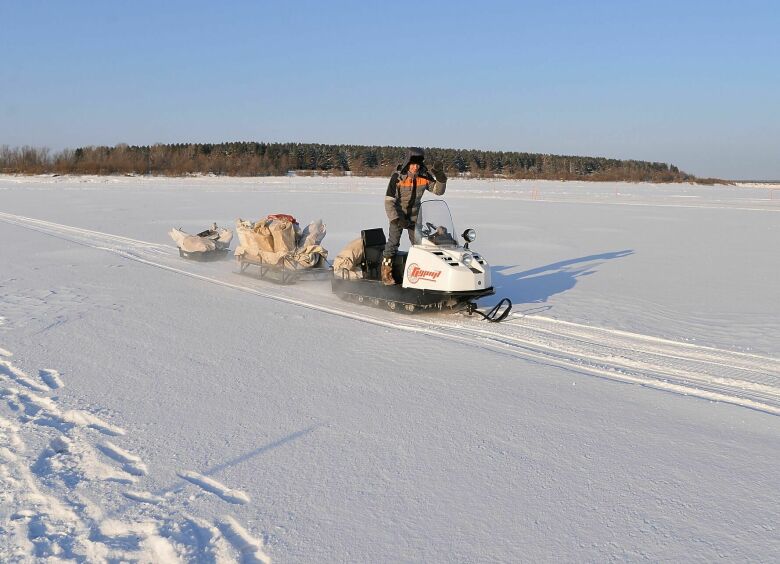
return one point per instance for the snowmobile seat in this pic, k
(373, 246)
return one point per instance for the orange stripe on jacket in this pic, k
(421, 181)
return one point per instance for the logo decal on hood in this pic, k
(415, 273)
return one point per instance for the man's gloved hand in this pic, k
(438, 172)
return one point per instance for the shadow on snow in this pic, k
(540, 284)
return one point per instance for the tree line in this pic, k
(270, 159)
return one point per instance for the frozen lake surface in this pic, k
(156, 408)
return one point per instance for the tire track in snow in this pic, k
(47, 226)
(745, 380)
(742, 379)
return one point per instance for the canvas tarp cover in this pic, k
(313, 234)
(192, 243)
(347, 262)
(273, 241)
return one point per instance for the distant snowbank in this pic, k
(581, 192)
(764, 185)
(308, 181)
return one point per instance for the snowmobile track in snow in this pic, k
(743, 379)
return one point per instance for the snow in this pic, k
(160, 409)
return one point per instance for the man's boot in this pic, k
(387, 271)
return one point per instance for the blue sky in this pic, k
(691, 83)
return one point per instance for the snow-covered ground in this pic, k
(161, 409)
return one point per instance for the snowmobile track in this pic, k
(742, 379)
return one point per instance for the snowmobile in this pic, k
(211, 244)
(436, 273)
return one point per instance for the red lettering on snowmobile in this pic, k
(415, 273)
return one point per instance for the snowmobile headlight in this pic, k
(470, 235)
(467, 260)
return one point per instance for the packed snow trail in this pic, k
(743, 379)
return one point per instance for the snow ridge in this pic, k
(44, 515)
(251, 549)
(51, 378)
(210, 485)
(9, 370)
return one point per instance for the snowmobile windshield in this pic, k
(434, 225)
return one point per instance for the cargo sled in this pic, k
(276, 249)
(211, 244)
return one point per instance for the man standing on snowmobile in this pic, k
(402, 202)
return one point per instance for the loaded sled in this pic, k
(276, 249)
(437, 273)
(211, 244)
